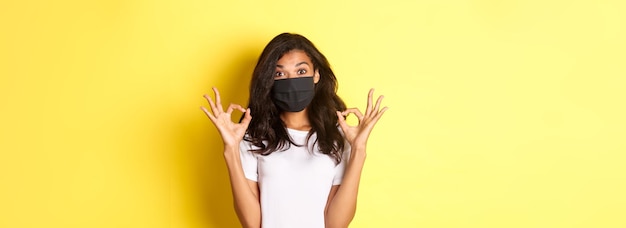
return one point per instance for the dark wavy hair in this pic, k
(266, 130)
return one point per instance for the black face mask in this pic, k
(293, 94)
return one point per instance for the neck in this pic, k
(296, 120)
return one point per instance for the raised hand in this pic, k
(357, 135)
(232, 133)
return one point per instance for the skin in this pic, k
(295, 64)
(341, 204)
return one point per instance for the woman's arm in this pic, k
(341, 205)
(245, 192)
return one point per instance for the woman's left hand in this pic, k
(357, 135)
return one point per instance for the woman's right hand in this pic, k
(232, 133)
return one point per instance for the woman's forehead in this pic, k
(294, 58)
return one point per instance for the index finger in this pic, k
(341, 120)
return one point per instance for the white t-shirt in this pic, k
(293, 184)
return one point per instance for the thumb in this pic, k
(342, 121)
(246, 118)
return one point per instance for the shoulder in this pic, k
(246, 146)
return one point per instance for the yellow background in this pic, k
(502, 113)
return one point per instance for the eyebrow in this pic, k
(297, 65)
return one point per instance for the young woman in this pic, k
(293, 160)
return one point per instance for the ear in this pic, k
(316, 77)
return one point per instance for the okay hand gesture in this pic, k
(232, 133)
(357, 135)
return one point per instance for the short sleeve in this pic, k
(341, 167)
(248, 161)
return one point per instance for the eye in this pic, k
(279, 74)
(302, 71)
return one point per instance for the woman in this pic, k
(292, 159)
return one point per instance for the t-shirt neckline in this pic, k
(298, 132)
